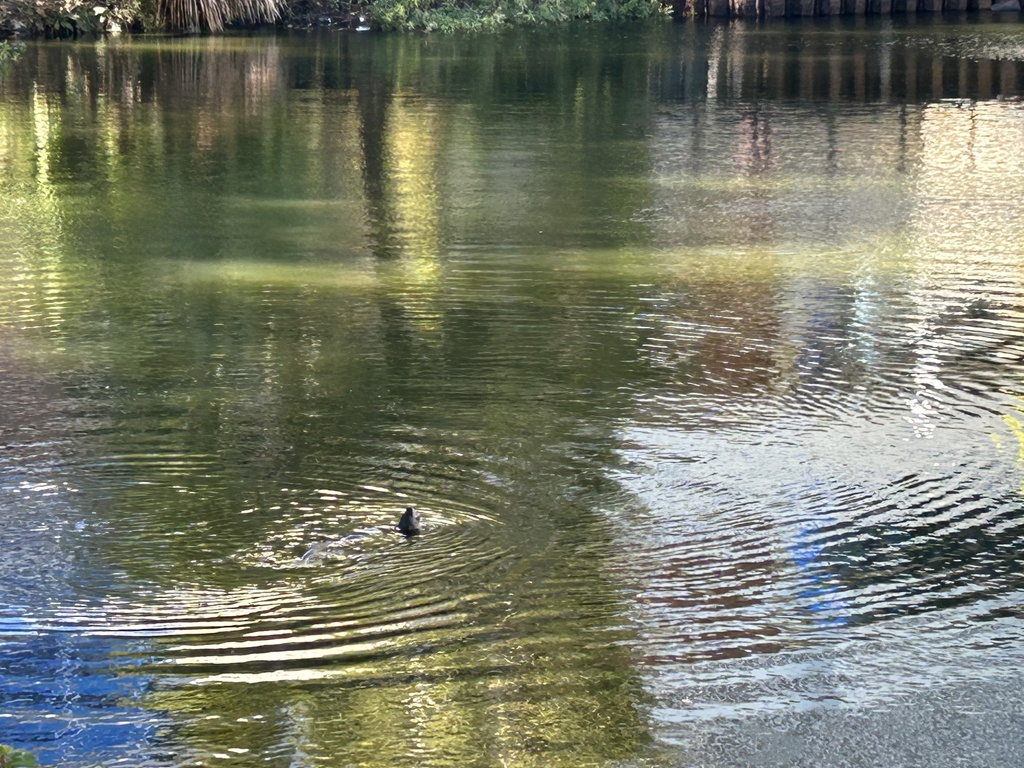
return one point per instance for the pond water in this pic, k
(697, 347)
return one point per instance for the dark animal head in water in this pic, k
(410, 522)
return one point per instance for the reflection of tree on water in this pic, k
(374, 96)
(222, 301)
(948, 547)
(267, 371)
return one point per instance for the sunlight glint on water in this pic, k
(696, 348)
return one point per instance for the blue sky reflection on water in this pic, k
(66, 700)
(72, 691)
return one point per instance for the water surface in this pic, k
(698, 349)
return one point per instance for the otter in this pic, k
(410, 522)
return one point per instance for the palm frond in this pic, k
(213, 15)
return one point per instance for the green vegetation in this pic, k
(72, 18)
(69, 18)
(450, 15)
(10, 50)
(15, 758)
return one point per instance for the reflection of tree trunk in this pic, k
(743, 9)
(374, 98)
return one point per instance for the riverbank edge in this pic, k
(86, 18)
(43, 19)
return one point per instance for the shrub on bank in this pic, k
(71, 18)
(68, 18)
(448, 15)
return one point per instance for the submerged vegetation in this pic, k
(71, 18)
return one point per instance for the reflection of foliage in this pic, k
(10, 50)
(254, 363)
(15, 758)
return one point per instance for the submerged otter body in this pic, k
(410, 522)
(355, 544)
(347, 546)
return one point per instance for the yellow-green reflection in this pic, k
(259, 294)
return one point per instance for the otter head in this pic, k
(410, 522)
